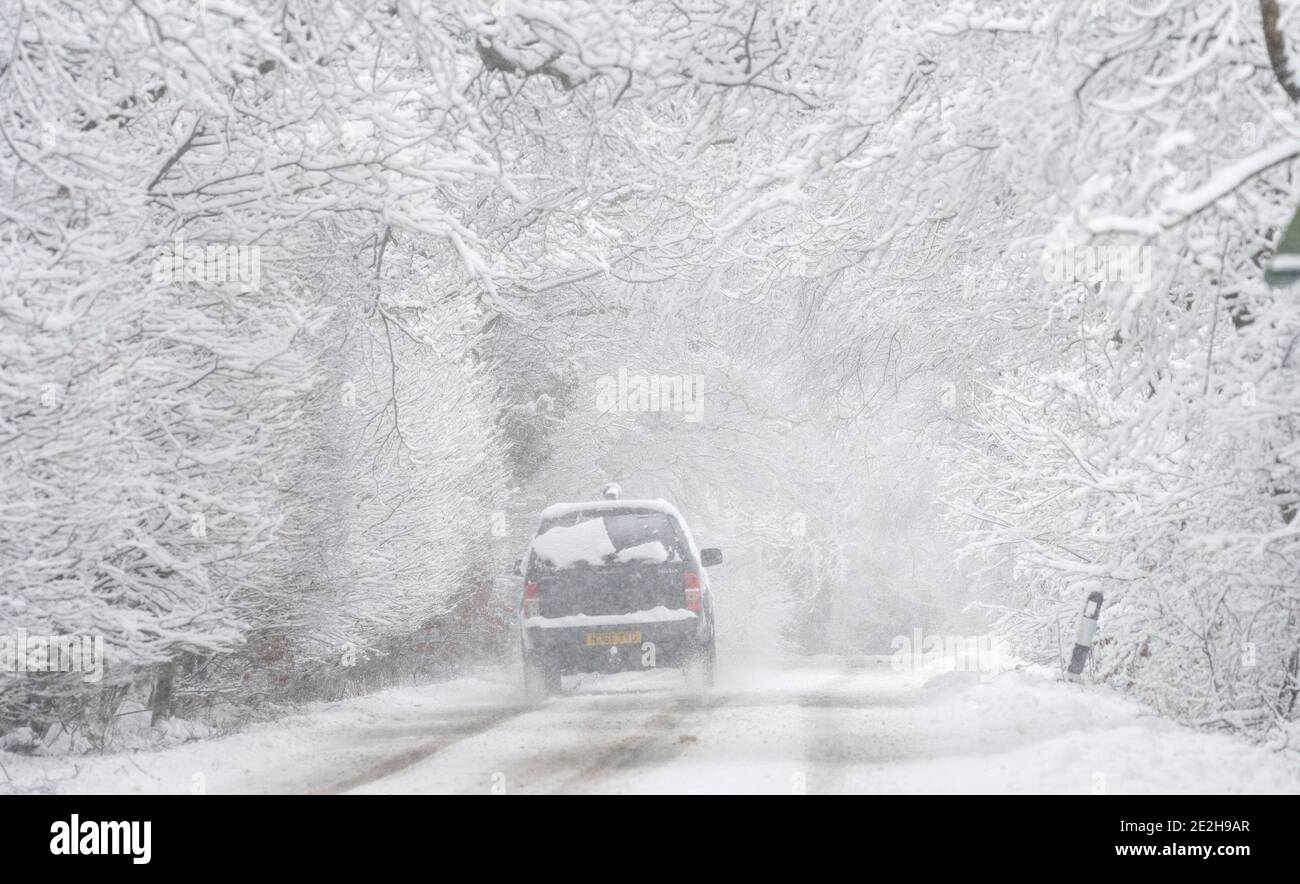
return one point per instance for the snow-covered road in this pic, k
(818, 725)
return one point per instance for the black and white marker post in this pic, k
(1086, 633)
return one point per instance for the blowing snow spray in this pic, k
(1085, 634)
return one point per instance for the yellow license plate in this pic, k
(613, 638)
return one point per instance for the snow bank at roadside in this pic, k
(1035, 734)
(309, 750)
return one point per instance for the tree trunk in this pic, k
(161, 701)
(1276, 45)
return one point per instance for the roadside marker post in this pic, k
(1284, 269)
(1083, 638)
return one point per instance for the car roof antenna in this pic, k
(611, 491)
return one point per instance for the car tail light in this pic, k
(532, 600)
(691, 589)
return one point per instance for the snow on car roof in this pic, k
(657, 505)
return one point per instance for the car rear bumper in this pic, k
(617, 646)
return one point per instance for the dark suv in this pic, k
(614, 585)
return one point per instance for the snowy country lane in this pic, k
(821, 725)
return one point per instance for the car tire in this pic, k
(541, 678)
(700, 667)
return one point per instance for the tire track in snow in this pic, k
(408, 758)
(831, 747)
(611, 732)
(661, 740)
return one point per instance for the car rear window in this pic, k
(607, 538)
